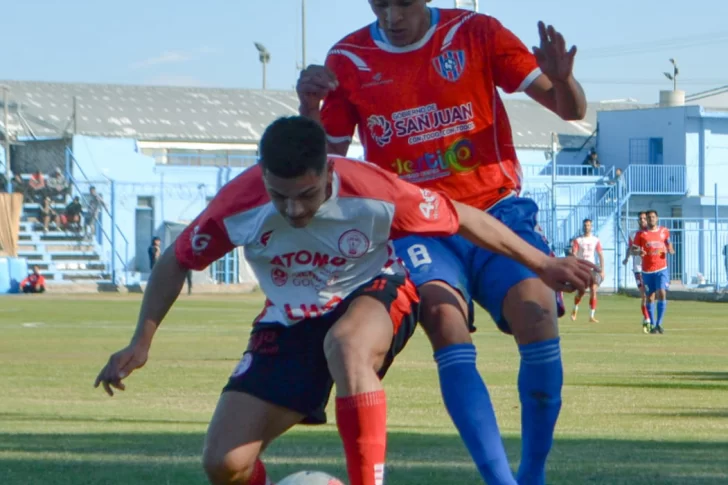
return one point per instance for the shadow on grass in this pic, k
(413, 459)
(699, 376)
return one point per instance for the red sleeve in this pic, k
(421, 211)
(514, 66)
(41, 280)
(25, 282)
(204, 241)
(599, 245)
(575, 246)
(667, 236)
(338, 116)
(639, 240)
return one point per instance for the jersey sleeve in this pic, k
(639, 240)
(599, 246)
(575, 246)
(338, 114)
(204, 241)
(514, 66)
(666, 235)
(421, 211)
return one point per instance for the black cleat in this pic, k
(660, 330)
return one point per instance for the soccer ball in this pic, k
(310, 478)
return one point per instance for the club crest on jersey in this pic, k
(353, 244)
(450, 64)
(380, 129)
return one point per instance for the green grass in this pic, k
(638, 409)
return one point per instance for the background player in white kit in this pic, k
(637, 270)
(588, 247)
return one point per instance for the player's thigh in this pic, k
(517, 300)
(379, 320)
(438, 268)
(241, 428)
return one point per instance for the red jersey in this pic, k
(430, 112)
(655, 244)
(306, 272)
(33, 280)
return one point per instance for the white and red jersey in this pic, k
(431, 112)
(636, 260)
(306, 272)
(587, 247)
(655, 244)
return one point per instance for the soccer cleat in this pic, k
(573, 315)
(653, 330)
(659, 329)
(593, 320)
(646, 326)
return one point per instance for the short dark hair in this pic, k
(585, 221)
(653, 212)
(642, 213)
(292, 146)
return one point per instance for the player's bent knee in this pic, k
(350, 352)
(531, 313)
(228, 467)
(443, 316)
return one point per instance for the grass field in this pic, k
(638, 409)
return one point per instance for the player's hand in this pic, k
(120, 365)
(554, 60)
(568, 274)
(314, 83)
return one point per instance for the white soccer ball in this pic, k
(310, 478)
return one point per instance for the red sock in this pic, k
(593, 301)
(577, 300)
(645, 313)
(259, 476)
(362, 423)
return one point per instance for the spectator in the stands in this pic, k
(48, 214)
(73, 215)
(57, 186)
(34, 283)
(20, 186)
(615, 178)
(154, 251)
(591, 163)
(3, 183)
(37, 186)
(95, 203)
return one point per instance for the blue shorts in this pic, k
(478, 274)
(656, 281)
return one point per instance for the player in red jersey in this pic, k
(317, 232)
(421, 86)
(637, 270)
(653, 245)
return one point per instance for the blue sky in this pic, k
(624, 45)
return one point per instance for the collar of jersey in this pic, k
(381, 40)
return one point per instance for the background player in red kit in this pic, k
(317, 233)
(421, 86)
(653, 245)
(637, 270)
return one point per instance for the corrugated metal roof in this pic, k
(152, 113)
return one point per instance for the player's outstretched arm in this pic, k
(163, 288)
(561, 274)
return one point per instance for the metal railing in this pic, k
(531, 170)
(656, 179)
(72, 165)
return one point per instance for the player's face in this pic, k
(299, 198)
(587, 227)
(403, 21)
(643, 221)
(651, 220)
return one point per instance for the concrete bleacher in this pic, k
(63, 257)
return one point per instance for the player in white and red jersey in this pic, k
(421, 87)
(317, 233)
(637, 269)
(654, 245)
(589, 248)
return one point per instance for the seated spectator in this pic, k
(34, 283)
(47, 213)
(37, 186)
(20, 186)
(591, 163)
(57, 186)
(73, 215)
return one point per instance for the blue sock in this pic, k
(468, 402)
(661, 307)
(539, 384)
(651, 311)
